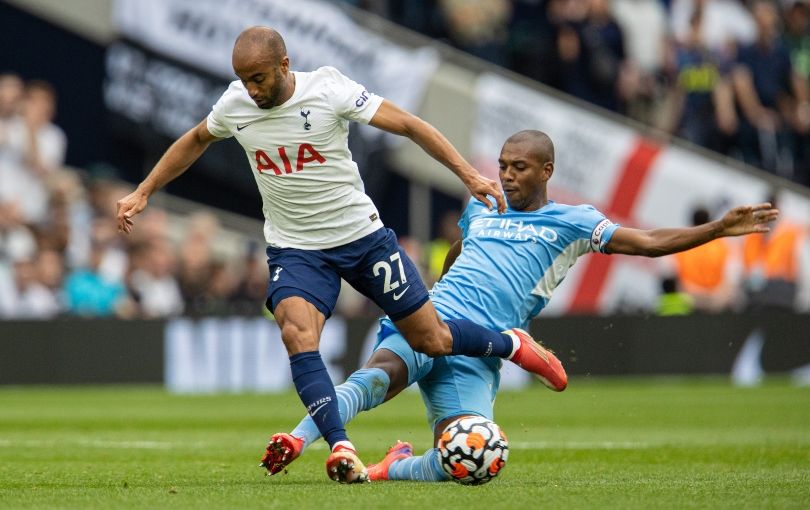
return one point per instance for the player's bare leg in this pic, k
(301, 324)
(382, 377)
(427, 333)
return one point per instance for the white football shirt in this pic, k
(312, 194)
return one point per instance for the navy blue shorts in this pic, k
(375, 265)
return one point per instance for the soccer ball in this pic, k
(473, 450)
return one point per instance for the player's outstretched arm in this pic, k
(665, 241)
(391, 118)
(174, 162)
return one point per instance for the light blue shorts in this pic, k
(450, 385)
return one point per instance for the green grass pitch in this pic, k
(603, 443)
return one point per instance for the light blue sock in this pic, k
(424, 468)
(365, 389)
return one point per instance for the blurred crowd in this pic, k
(728, 75)
(60, 253)
(753, 273)
(725, 74)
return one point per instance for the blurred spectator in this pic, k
(51, 273)
(421, 15)
(89, 293)
(643, 23)
(114, 258)
(725, 26)
(31, 299)
(68, 227)
(32, 149)
(250, 291)
(772, 97)
(437, 249)
(797, 39)
(153, 284)
(797, 35)
(217, 296)
(54, 232)
(479, 27)
(16, 243)
(16, 240)
(708, 273)
(533, 40)
(196, 261)
(776, 264)
(701, 103)
(416, 251)
(591, 49)
(11, 94)
(672, 301)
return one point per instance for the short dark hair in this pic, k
(542, 143)
(265, 37)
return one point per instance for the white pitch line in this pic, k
(577, 445)
(168, 445)
(95, 443)
(129, 445)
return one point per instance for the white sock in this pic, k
(345, 444)
(515, 342)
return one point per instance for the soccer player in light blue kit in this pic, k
(503, 272)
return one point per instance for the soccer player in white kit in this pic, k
(320, 225)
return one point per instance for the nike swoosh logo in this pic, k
(397, 296)
(315, 411)
(240, 128)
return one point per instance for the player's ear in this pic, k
(284, 65)
(548, 169)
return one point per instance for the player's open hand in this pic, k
(128, 207)
(749, 219)
(480, 187)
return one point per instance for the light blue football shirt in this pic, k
(511, 263)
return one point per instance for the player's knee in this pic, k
(434, 345)
(298, 339)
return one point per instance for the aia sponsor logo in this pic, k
(306, 154)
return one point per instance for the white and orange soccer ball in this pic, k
(473, 450)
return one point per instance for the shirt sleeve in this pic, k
(216, 123)
(351, 100)
(600, 228)
(464, 221)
